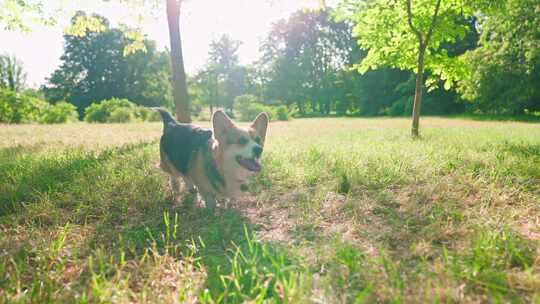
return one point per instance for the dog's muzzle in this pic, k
(250, 164)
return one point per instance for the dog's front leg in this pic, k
(210, 202)
(175, 186)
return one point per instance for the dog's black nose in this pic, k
(257, 151)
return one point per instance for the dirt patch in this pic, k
(272, 221)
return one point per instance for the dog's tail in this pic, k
(165, 116)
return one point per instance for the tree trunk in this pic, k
(423, 44)
(418, 93)
(180, 93)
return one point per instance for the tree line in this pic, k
(361, 58)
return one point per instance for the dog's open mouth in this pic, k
(250, 164)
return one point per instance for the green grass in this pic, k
(346, 211)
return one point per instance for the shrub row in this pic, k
(249, 107)
(117, 110)
(27, 108)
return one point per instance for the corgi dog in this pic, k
(216, 164)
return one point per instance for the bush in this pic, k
(282, 113)
(204, 115)
(147, 114)
(61, 112)
(121, 115)
(248, 107)
(119, 110)
(251, 111)
(244, 100)
(20, 107)
(101, 112)
(95, 113)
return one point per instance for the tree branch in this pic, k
(433, 22)
(411, 25)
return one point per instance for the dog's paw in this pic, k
(210, 203)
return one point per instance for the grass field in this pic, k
(345, 211)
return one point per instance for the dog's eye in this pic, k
(243, 141)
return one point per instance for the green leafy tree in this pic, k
(206, 88)
(409, 35)
(94, 68)
(229, 78)
(20, 14)
(223, 54)
(504, 71)
(12, 75)
(302, 58)
(255, 81)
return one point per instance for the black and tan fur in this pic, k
(217, 166)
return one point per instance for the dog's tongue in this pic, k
(250, 164)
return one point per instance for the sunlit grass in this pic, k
(346, 210)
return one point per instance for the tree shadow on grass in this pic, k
(25, 176)
(526, 166)
(123, 213)
(522, 150)
(11, 153)
(215, 236)
(499, 118)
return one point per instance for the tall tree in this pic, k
(207, 84)
(222, 78)
(424, 38)
(93, 67)
(223, 53)
(409, 35)
(12, 75)
(18, 14)
(302, 56)
(504, 71)
(223, 64)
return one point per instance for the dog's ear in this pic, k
(260, 124)
(221, 123)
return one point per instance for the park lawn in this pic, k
(346, 210)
